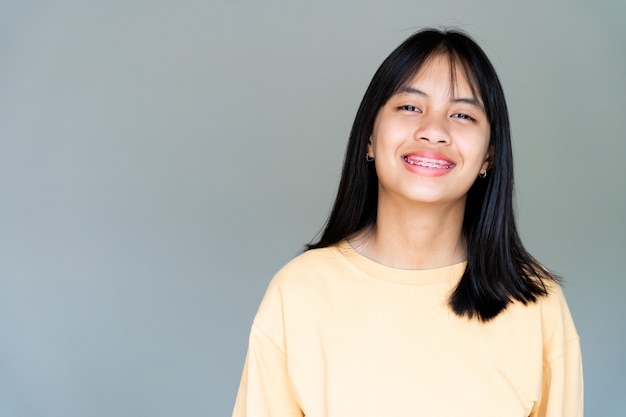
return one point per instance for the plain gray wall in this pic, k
(159, 161)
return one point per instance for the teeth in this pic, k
(429, 163)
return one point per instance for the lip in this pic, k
(428, 163)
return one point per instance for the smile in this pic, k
(428, 163)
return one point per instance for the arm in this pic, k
(562, 388)
(265, 389)
(562, 384)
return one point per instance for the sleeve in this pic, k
(266, 388)
(562, 384)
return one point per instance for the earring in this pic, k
(483, 174)
(368, 158)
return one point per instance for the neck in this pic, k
(417, 237)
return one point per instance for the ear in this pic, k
(488, 160)
(370, 148)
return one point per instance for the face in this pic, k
(431, 139)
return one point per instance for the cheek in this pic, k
(376, 143)
(484, 149)
(386, 137)
(476, 152)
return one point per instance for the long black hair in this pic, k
(499, 269)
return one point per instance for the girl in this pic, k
(419, 298)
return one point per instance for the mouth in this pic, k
(428, 162)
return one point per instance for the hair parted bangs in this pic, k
(499, 270)
(455, 60)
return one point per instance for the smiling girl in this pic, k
(419, 298)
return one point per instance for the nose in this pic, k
(433, 128)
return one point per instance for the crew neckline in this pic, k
(445, 274)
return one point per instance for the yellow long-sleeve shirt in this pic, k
(338, 335)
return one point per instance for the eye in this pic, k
(464, 116)
(410, 108)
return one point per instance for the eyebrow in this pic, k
(473, 101)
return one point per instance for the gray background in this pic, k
(159, 161)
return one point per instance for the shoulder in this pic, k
(553, 304)
(306, 274)
(313, 264)
(296, 289)
(558, 327)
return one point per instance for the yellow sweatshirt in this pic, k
(338, 335)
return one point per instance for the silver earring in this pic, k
(483, 174)
(368, 158)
